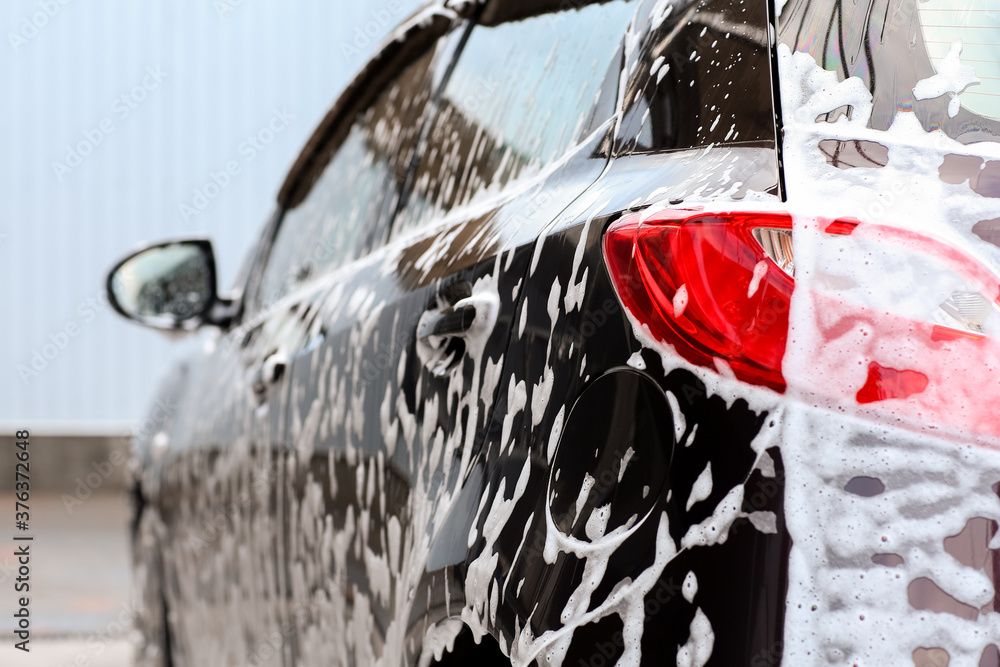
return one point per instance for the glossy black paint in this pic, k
(317, 415)
(742, 582)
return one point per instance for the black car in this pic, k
(589, 333)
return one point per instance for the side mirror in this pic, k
(169, 286)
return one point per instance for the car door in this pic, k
(394, 386)
(646, 516)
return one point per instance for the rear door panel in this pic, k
(599, 546)
(383, 446)
(385, 451)
(627, 590)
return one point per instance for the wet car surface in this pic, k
(599, 333)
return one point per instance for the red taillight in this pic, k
(888, 321)
(887, 316)
(703, 283)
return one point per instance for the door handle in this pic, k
(455, 320)
(268, 373)
(446, 334)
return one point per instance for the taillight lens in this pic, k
(885, 316)
(704, 283)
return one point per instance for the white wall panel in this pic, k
(225, 74)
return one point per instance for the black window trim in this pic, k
(418, 34)
(769, 41)
(492, 13)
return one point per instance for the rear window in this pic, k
(702, 76)
(939, 59)
(975, 24)
(354, 189)
(522, 93)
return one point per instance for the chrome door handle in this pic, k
(456, 320)
(268, 373)
(447, 334)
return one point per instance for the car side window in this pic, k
(703, 77)
(521, 94)
(357, 189)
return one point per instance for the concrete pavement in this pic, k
(80, 578)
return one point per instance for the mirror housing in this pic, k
(170, 286)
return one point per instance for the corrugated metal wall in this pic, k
(114, 113)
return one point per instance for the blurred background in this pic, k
(119, 120)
